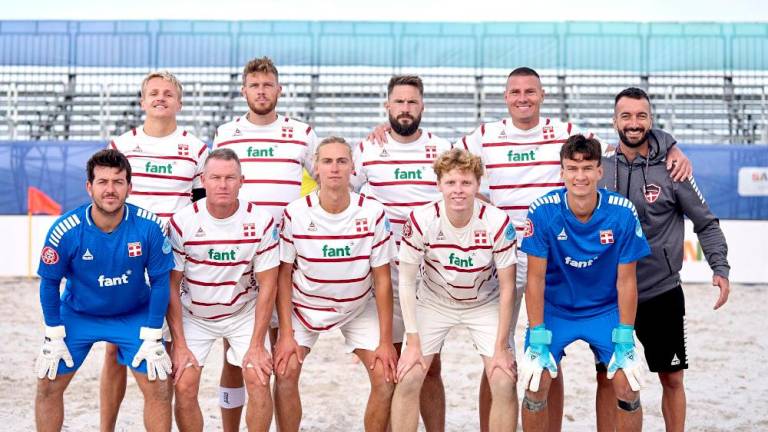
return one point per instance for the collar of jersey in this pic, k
(90, 222)
(573, 216)
(444, 216)
(266, 126)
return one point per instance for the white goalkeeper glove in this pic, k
(152, 350)
(53, 350)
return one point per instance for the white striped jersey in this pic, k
(271, 157)
(221, 257)
(399, 175)
(521, 165)
(163, 170)
(332, 256)
(459, 263)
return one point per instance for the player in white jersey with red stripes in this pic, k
(399, 175)
(466, 251)
(226, 259)
(335, 247)
(166, 162)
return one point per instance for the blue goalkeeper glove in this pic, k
(537, 357)
(625, 357)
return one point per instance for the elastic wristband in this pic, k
(540, 335)
(148, 333)
(623, 334)
(55, 332)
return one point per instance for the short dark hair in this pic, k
(410, 80)
(632, 93)
(110, 158)
(222, 154)
(588, 148)
(524, 71)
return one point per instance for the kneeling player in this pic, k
(469, 255)
(582, 246)
(226, 266)
(104, 249)
(335, 249)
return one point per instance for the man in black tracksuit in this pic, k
(638, 171)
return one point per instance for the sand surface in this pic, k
(727, 385)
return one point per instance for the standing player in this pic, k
(335, 250)
(399, 175)
(661, 205)
(272, 150)
(468, 253)
(226, 260)
(166, 163)
(582, 248)
(103, 250)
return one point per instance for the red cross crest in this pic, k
(548, 132)
(183, 149)
(652, 193)
(606, 237)
(430, 151)
(249, 230)
(481, 237)
(134, 249)
(361, 225)
(287, 132)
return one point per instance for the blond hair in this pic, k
(332, 140)
(459, 159)
(165, 75)
(260, 65)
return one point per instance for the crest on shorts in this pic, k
(361, 225)
(183, 149)
(528, 229)
(287, 132)
(249, 230)
(134, 249)
(652, 192)
(430, 152)
(606, 236)
(548, 132)
(481, 237)
(49, 255)
(407, 229)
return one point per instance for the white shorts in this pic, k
(435, 319)
(362, 332)
(237, 329)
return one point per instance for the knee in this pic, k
(412, 381)
(625, 393)
(379, 385)
(253, 384)
(289, 379)
(47, 389)
(110, 352)
(671, 380)
(185, 391)
(503, 387)
(159, 391)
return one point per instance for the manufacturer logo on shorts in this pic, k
(49, 255)
(87, 256)
(652, 193)
(675, 360)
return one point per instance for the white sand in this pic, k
(726, 384)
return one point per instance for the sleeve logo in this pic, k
(49, 255)
(528, 231)
(510, 233)
(166, 246)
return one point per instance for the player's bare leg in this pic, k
(535, 412)
(186, 407)
(405, 409)
(231, 381)
(287, 398)
(380, 399)
(484, 402)
(556, 401)
(673, 400)
(258, 415)
(49, 402)
(157, 403)
(605, 403)
(111, 389)
(432, 398)
(503, 388)
(629, 417)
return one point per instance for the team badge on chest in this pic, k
(652, 192)
(481, 237)
(430, 152)
(249, 230)
(287, 132)
(361, 225)
(548, 132)
(606, 236)
(183, 149)
(134, 249)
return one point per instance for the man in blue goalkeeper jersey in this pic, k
(582, 246)
(104, 249)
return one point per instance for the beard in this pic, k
(256, 109)
(404, 129)
(627, 142)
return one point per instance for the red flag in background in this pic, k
(40, 203)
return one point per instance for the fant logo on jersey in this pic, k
(287, 132)
(215, 255)
(528, 229)
(106, 281)
(652, 193)
(134, 249)
(49, 255)
(481, 237)
(183, 149)
(260, 152)
(454, 259)
(579, 264)
(525, 156)
(548, 132)
(158, 168)
(430, 152)
(606, 237)
(332, 252)
(407, 175)
(249, 230)
(361, 225)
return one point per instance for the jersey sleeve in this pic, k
(534, 236)
(472, 142)
(309, 154)
(176, 237)
(359, 176)
(197, 183)
(287, 248)
(505, 245)
(383, 250)
(160, 259)
(634, 245)
(412, 242)
(268, 252)
(55, 256)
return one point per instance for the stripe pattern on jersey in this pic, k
(62, 227)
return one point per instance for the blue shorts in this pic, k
(596, 331)
(84, 330)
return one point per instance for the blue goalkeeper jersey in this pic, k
(105, 272)
(583, 257)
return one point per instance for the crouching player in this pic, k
(582, 246)
(103, 249)
(226, 261)
(335, 248)
(468, 250)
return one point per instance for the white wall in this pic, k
(747, 249)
